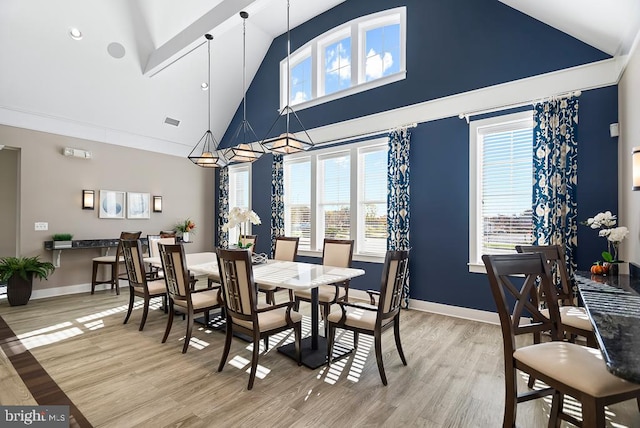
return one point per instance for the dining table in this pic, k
(613, 305)
(289, 275)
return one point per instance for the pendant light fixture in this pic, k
(205, 153)
(288, 142)
(243, 151)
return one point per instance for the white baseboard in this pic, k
(71, 289)
(439, 308)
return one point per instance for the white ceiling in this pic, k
(65, 85)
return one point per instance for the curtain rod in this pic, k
(366, 134)
(466, 116)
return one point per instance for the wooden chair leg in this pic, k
(556, 409)
(145, 312)
(266, 343)
(510, 402)
(115, 279)
(356, 335)
(227, 346)
(378, 346)
(169, 321)
(396, 333)
(131, 296)
(592, 413)
(297, 331)
(189, 331)
(330, 339)
(254, 359)
(94, 277)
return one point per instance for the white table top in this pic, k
(293, 275)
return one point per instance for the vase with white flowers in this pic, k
(606, 222)
(241, 218)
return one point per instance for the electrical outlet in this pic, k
(41, 225)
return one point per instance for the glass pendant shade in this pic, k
(205, 153)
(241, 150)
(287, 142)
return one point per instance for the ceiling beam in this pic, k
(218, 18)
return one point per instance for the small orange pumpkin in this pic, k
(597, 269)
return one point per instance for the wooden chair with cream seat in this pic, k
(574, 319)
(168, 234)
(138, 284)
(181, 297)
(113, 263)
(335, 252)
(285, 249)
(567, 368)
(244, 315)
(373, 319)
(153, 240)
(245, 239)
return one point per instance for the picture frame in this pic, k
(112, 204)
(138, 205)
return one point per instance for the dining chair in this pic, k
(168, 234)
(335, 252)
(181, 295)
(567, 368)
(285, 249)
(374, 318)
(243, 313)
(574, 319)
(245, 239)
(113, 263)
(153, 240)
(138, 284)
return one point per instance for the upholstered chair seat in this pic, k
(572, 316)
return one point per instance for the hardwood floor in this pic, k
(120, 377)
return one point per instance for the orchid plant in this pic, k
(241, 218)
(606, 222)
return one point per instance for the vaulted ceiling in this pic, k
(141, 61)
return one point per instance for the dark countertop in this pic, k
(88, 243)
(613, 304)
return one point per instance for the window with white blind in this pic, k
(239, 192)
(338, 193)
(501, 175)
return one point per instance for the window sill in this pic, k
(401, 75)
(477, 268)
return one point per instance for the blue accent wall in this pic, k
(452, 47)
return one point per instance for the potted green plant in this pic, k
(62, 240)
(19, 273)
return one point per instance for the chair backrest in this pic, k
(558, 266)
(250, 239)
(167, 234)
(126, 236)
(502, 271)
(132, 253)
(154, 240)
(286, 248)
(238, 287)
(394, 276)
(176, 275)
(337, 252)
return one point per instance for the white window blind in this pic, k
(372, 200)
(239, 192)
(334, 198)
(507, 173)
(500, 183)
(297, 201)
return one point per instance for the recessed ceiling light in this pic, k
(75, 34)
(204, 86)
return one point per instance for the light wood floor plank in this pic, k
(120, 377)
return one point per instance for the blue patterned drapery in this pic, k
(555, 178)
(277, 200)
(398, 196)
(223, 207)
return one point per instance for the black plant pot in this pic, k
(19, 290)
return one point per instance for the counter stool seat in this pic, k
(113, 262)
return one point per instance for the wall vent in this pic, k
(171, 121)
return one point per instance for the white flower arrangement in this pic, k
(241, 218)
(615, 235)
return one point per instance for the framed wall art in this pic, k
(112, 204)
(138, 205)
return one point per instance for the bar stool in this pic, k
(113, 262)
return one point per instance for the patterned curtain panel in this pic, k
(555, 165)
(223, 208)
(277, 200)
(398, 196)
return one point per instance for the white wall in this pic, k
(629, 116)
